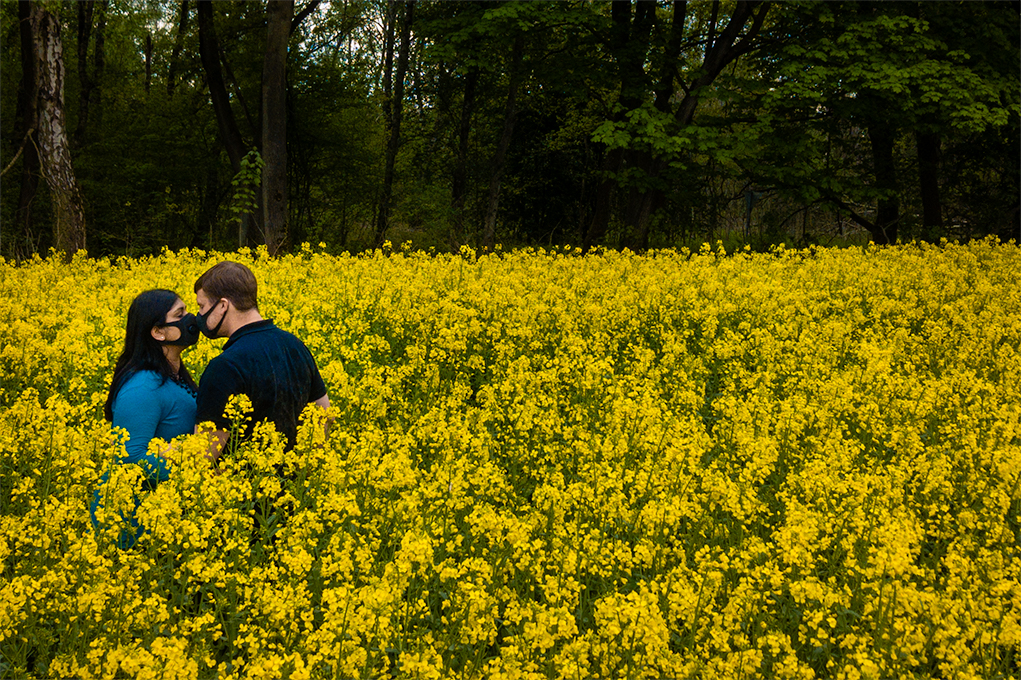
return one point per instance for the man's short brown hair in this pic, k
(233, 281)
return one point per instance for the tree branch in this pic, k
(305, 11)
(18, 155)
(747, 44)
(862, 221)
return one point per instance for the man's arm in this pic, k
(219, 382)
(217, 442)
(323, 402)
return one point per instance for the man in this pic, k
(269, 365)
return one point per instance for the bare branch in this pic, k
(21, 148)
(305, 11)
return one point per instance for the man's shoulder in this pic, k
(226, 362)
(252, 346)
(271, 334)
(289, 336)
(224, 358)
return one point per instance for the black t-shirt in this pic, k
(269, 365)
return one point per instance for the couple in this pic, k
(152, 394)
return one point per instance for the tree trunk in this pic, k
(630, 47)
(499, 161)
(459, 183)
(69, 214)
(85, 14)
(396, 110)
(601, 211)
(210, 202)
(642, 203)
(175, 54)
(387, 66)
(668, 73)
(89, 13)
(928, 145)
(628, 43)
(98, 65)
(274, 123)
(721, 49)
(209, 51)
(390, 21)
(882, 137)
(254, 128)
(148, 61)
(28, 108)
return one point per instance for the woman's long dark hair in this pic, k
(141, 351)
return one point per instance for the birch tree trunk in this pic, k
(55, 156)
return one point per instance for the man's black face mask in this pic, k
(203, 323)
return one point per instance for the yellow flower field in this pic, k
(679, 465)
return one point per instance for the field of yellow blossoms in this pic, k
(797, 464)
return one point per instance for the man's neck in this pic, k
(243, 319)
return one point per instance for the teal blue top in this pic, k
(147, 407)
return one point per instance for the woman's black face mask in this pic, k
(189, 327)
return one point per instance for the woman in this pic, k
(152, 394)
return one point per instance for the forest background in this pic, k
(133, 125)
